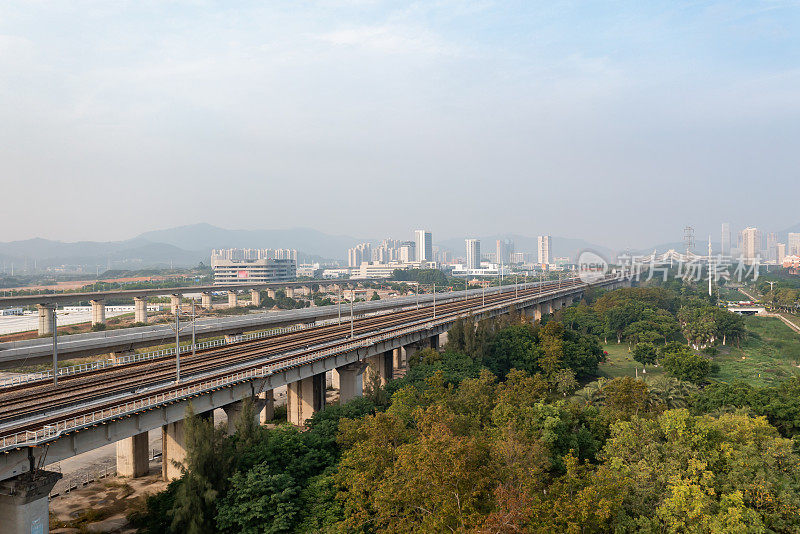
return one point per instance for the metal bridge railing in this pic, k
(134, 358)
(152, 355)
(53, 431)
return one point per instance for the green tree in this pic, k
(260, 500)
(645, 353)
(684, 364)
(626, 396)
(206, 468)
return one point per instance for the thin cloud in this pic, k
(391, 40)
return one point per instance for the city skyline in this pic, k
(183, 106)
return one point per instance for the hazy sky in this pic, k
(619, 122)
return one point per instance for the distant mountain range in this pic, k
(180, 247)
(185, 246)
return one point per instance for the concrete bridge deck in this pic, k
(94, 410)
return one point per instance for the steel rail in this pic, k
(45, 431)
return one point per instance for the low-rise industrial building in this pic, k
(254, 271)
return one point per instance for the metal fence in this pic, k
(53, 431)
(134, 358)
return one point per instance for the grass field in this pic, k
(726, 293)
(770, 354)
(621, 363)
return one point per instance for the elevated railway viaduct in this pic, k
(41, 423)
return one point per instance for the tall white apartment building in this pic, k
(424, 245)
(544, 249)
(359, 254)
(750, 243)
(793, 245)
(473, 253)
(725, 242)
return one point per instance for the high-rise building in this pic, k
(505, 248)
(517, 257)
(772, 241)
(407, 252)
(793, 246)
(750, 239)
(473, 253)
(359, 254)
(726, 239)
(780, 252)
(424, 242)
(387, 251)
(544, 249)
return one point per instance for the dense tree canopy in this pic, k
(490, 436)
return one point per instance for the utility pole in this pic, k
(416, 292)
(709, 266)
(55, 347)
(352, 298)
(194, 318)
(178, 344)
(434, 301)
(339, 302)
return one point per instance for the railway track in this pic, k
(31, 400)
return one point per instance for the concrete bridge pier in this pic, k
(98, 312)
(233, 299)
(175, 303)
(271, 293)
(442, 339)
(351, 381)
(434, 342)
(265, 407)
(255, 297)
(133, 456)
(304, 398)
(25, 503)
(537, 313)
(397, 360)
(173, 446)
(408, 352)
(205, 301)
(172, 449)
(140, 309)
(290, 292)
(233, 412)
(45, 319)
(379, 369)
